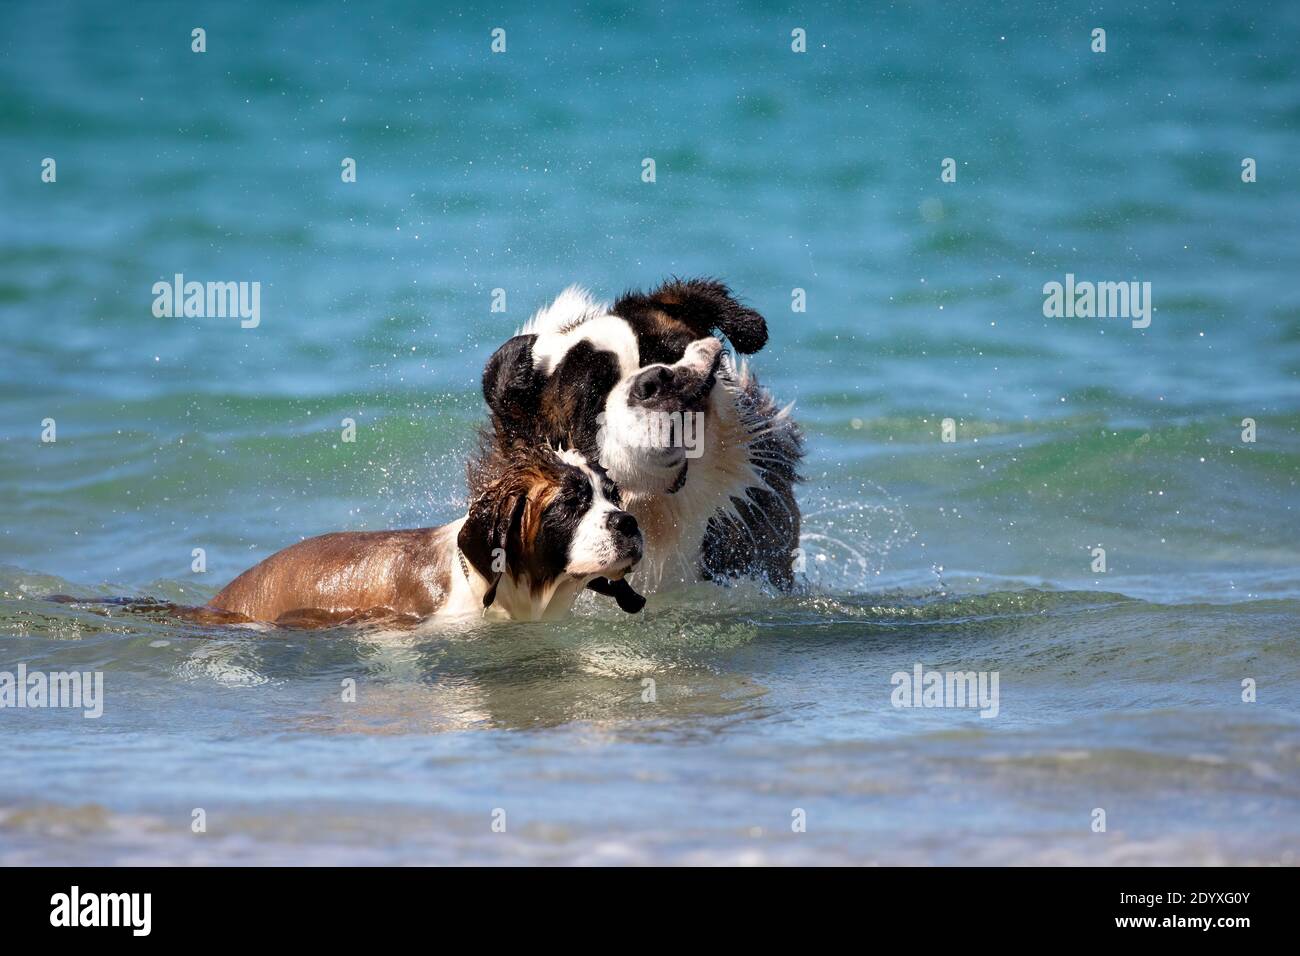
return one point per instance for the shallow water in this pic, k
(1119, 690)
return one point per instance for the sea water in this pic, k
(1102, 515)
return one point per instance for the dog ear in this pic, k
(490, 528)
(510, 385)
(703, 305)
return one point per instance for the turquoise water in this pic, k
(522, 171)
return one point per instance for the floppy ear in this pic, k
(492, 524)
(510, 385)
(704, 305)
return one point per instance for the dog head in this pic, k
(545, 517)
(629, 387)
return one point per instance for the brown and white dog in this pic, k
(627, 386)
(542, 526)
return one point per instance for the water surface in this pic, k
(1119, 690)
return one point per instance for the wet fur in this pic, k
(736, 515)
(516, 544)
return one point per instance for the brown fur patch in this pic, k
(516, 484)
(342, 575)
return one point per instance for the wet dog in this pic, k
(703, 457)
(542, 526)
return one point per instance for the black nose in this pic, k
(651, 382)
(620, 522)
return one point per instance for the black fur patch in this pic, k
(493, 523)
(510, 385)
(559, 408)
(561, 518)
(683, 310)
(575, 393)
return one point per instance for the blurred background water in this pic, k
(775, 171)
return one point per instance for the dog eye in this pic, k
(576, 494)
